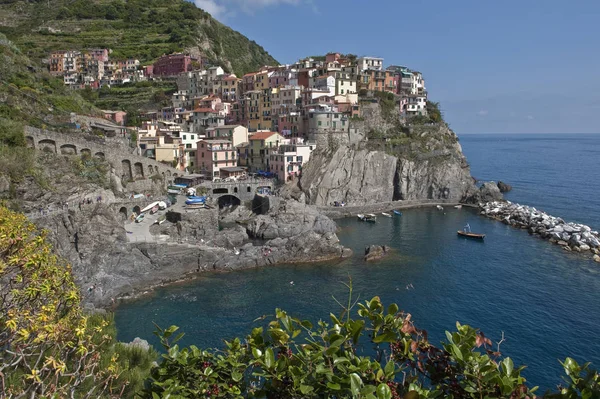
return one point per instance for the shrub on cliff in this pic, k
(48, 346)
(331, 361)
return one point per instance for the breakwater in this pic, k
(571, 236)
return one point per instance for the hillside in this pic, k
(28, 94)
(142, 29)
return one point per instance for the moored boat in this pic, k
(468, 234)
(370, 218)
(386, 214)
(161, 220)
(360, 216)
(154, 210)
(150, 207)
(397, 212)
(458, 206)
(140, 218)
(439, 207)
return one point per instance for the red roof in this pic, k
(261, 135)
(205, 110)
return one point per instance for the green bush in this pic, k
(292, 358)
(11, 133)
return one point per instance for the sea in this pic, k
(541, 301)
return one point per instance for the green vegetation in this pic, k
(132, 97)
(50, 348)
(380, 354)
(142, 29)
(94, 170)
(31, 95)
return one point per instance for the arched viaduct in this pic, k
(245, 190)
(128, 166)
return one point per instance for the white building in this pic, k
(288, 159)
(325, 83)
(238, 134)
(373, 63)
(416, 105)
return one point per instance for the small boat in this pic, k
(468, 234)
(173, 191)
(154, 210)
(439, 207)
(140, 218)
(160, 220)
(458, 206)
(150, 207)
(397, 213)
(195, 206)
(386, 214)
(360, 216)
(195, 201)
(370, 218)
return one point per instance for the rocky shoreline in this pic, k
(570, 236)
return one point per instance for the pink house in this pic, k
(119, 117)
(173, 64)
(212, 155)
(290, 124)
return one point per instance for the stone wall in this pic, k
(126, 165)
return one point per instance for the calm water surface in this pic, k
(546, 301)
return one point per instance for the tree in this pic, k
(330, 360)
(434, 113)
(49, 347)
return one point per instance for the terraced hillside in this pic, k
(143, 29)
(29, 95)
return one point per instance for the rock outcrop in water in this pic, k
(425, 163)
(572, 236)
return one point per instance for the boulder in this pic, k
(563, 243)
(375, 252)
(584, 247)
(503, 187)
(597, 258)
(489, 192)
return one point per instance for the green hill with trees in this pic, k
(142, 29)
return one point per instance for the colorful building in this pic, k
(211, 155)
(261, 144)
(174, 64)
(288, 159)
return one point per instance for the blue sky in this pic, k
(528, 66)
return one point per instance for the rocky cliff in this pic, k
(426, 162)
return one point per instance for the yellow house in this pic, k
(261, 145)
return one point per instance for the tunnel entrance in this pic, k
(227, 200)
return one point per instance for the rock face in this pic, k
(375, 252)
(355, 176)
(429, 165)
(487, 192)
(504, 187)
(571, 236)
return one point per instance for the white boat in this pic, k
(360, 216)
(161, 220)
(458, 206)
(439, 207)
(149, 207)
(162, 205)
(386, 214)
(370, 218)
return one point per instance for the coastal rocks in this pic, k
(488, 192)
(597, 258)
(571, 236)
(357, 177)
(504, 187)
(375, 252)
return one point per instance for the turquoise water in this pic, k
(546, 301)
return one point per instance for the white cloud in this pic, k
(483, 112)
(530, 117)
(223, 8)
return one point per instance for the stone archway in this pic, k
(126, 167)
(227, 200)
(100, 155)
(85, 152)
(175, 175)
(138, 170)
(123, 213)
(168, 173)
(68, 149)
(136, 209)
(47, 145)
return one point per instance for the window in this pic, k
(232, 155)
(202, 155)
(319, 123)
(184, 137)
(192, 137)
(188, 146)
(290, 159)
(299, 158)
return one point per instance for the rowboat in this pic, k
(458, 206)
(397, 213)
(360, 216)
(149, 207)
(161, 220)
(467, 234)
(195, 201)
(439, 207)
(140, 218)
(386, 214)
(154, 209)
(370, 218)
